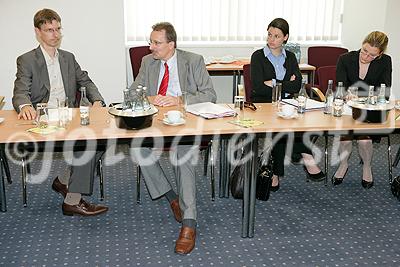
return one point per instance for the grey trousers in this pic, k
(82, 176)
(157, 182)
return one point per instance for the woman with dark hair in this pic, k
(270, 65)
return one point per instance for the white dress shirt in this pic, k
(56, 83)
(174, 88)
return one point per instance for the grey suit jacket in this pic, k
(32, 84)
(193, 77)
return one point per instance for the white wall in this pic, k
(93, 30)
(392, 22)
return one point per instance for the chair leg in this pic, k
(206, 158)
(396, 158)
(4, 162)
(101, 178)
(24, 179)
(389, 151)
(138, 184)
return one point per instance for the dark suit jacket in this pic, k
(379, 71)
(263, 70)
(32, 84)
(192, 72)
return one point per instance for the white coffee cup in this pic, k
(173, 116)
(288, 110)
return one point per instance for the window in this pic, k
(236, 21)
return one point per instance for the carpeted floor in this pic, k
(303, 224)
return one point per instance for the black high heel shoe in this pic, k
(276, 187)
(338, 181)
(317, 177)
(366, 184)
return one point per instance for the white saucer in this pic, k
(1, 120)
(283, 116)
(166, 121)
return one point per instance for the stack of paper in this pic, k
(210, 110)
(311, 103)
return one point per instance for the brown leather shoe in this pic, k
(83, 208)
(59, 187)
(186, 241)
(176, 210)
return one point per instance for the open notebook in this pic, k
(210, 110)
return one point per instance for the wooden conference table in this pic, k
(102, 129)
(235, 69)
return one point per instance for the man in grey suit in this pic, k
(48, 74)
(167, 72)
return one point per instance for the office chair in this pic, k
(320, 56)
(136, 54)
(325, 74)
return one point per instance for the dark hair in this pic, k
(281, 24)
(45, 16)
(170, 32)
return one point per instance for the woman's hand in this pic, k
(268, 83)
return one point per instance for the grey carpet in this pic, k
(303, 224)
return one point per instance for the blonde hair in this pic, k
(377, 39)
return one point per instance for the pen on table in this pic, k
(397, 117)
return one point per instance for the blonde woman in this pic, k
(368, 66)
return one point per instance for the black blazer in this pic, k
(263, 70)
(379, 71)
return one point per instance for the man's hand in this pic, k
(292, 78)
(166, 101)
(27, 113)
(97, 104)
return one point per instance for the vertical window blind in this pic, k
(219, 21)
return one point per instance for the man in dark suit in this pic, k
(168, 73)
(48, 74)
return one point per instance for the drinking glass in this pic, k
(240, 90)
(352, 94)
(239, 107)
(276, 94)
(63, 112)
(42, 117)
(182, 105)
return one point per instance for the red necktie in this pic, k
(164, 82)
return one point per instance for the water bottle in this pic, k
(126, 105)
(329, 98)
(138, 106)
(302, 98)
(84, 107)
(371, 96)
(381, 96)
(338, 101)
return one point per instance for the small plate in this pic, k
(166, 121)
(293, 116)
(1, 120)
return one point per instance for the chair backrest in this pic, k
(325, 74)
(136, 54)
(247, 81)
(320, 56)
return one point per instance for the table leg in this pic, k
(234, 86)
(253, 185)
(246, 195)
(326, 160)
(224, 169)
